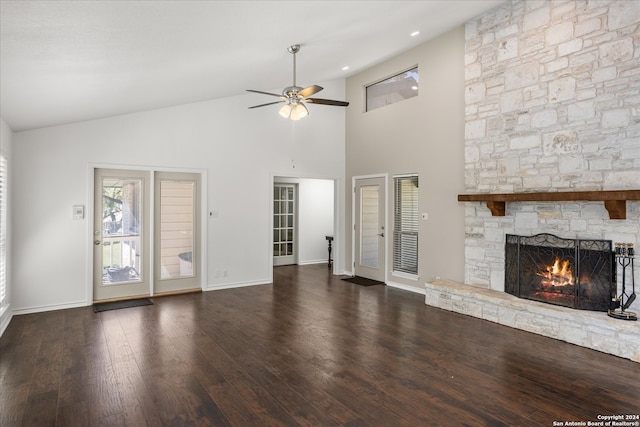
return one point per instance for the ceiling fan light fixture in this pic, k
(299, 111)
(294, 95)
(285, 111)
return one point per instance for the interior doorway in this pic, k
(303, 215)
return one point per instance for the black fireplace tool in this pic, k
(624, 256)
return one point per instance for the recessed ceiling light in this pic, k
(415, 33)
(345, 68)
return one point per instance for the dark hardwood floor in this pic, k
(310, 349)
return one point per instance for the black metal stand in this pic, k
(624, 256)
(329, 239)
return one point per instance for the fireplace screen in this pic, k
(568, 272)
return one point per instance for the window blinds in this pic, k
(405, 224)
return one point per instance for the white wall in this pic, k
(316, 219)
(6, 144)
(240, 149)
(423, 135)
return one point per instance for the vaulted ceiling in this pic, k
(69, 61)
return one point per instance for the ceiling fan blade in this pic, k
(268, 103)
(265, 93)
(327, 102)
(311, 90)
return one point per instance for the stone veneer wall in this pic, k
(552, 104)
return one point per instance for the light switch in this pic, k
(78, 212)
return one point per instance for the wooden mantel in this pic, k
(614, 201)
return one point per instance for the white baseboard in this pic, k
(218, 287)
(318, 261)
(414, 289)
(41, 308)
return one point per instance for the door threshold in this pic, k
(180, 292)
(102, 301)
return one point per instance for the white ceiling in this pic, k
(68, 61)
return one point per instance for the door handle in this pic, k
(381, 234)
(97, 242)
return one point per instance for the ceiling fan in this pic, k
(295, 97)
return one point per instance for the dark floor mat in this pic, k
(362, 281)
(116, 305)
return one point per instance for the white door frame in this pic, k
(384, 176)
(123, 288)
(151, 169)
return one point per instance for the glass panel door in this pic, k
(177, 225)
(176, 229)
(120, 234)
(284, 224)
(369, 229)
(369, 226)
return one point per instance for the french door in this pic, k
(369, 228)
(123, 220)
(284, 224)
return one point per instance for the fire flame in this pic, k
(558, 274)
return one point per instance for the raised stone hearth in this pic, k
(593, 330)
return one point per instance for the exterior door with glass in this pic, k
(369, 228)
(177, 236)
(121, 234)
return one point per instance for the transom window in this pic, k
(393, 89)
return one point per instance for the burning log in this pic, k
(558, 274)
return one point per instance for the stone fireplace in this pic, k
(552, 104)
